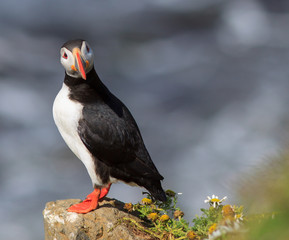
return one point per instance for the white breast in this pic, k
(66, 114)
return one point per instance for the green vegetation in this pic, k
(265, 196)
(166, 220)
(266, 192)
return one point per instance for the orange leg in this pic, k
(104, 191)
(89, 204)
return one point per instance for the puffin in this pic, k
(100, 130)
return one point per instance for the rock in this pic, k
(106, 222)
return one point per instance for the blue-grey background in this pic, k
(206, 80)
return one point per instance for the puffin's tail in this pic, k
(156, 190)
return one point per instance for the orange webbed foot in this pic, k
(89, 204)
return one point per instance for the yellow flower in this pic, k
(146, 201)
(228, 212)
(239, 217)
(128, 207)
(164, 218)
(153, 216)
(213, 228)
(191, 235)
(178, 213)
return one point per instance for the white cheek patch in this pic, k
(68, 63)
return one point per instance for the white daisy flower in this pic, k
(239, 217)
(214, 200)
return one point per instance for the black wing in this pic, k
(110, 133)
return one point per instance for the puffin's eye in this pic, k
(87, 48)
(64, 55)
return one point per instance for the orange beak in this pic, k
(79, 62)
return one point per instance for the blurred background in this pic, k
(206, 80)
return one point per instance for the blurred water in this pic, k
(206, 81)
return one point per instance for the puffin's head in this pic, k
(76, 58)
